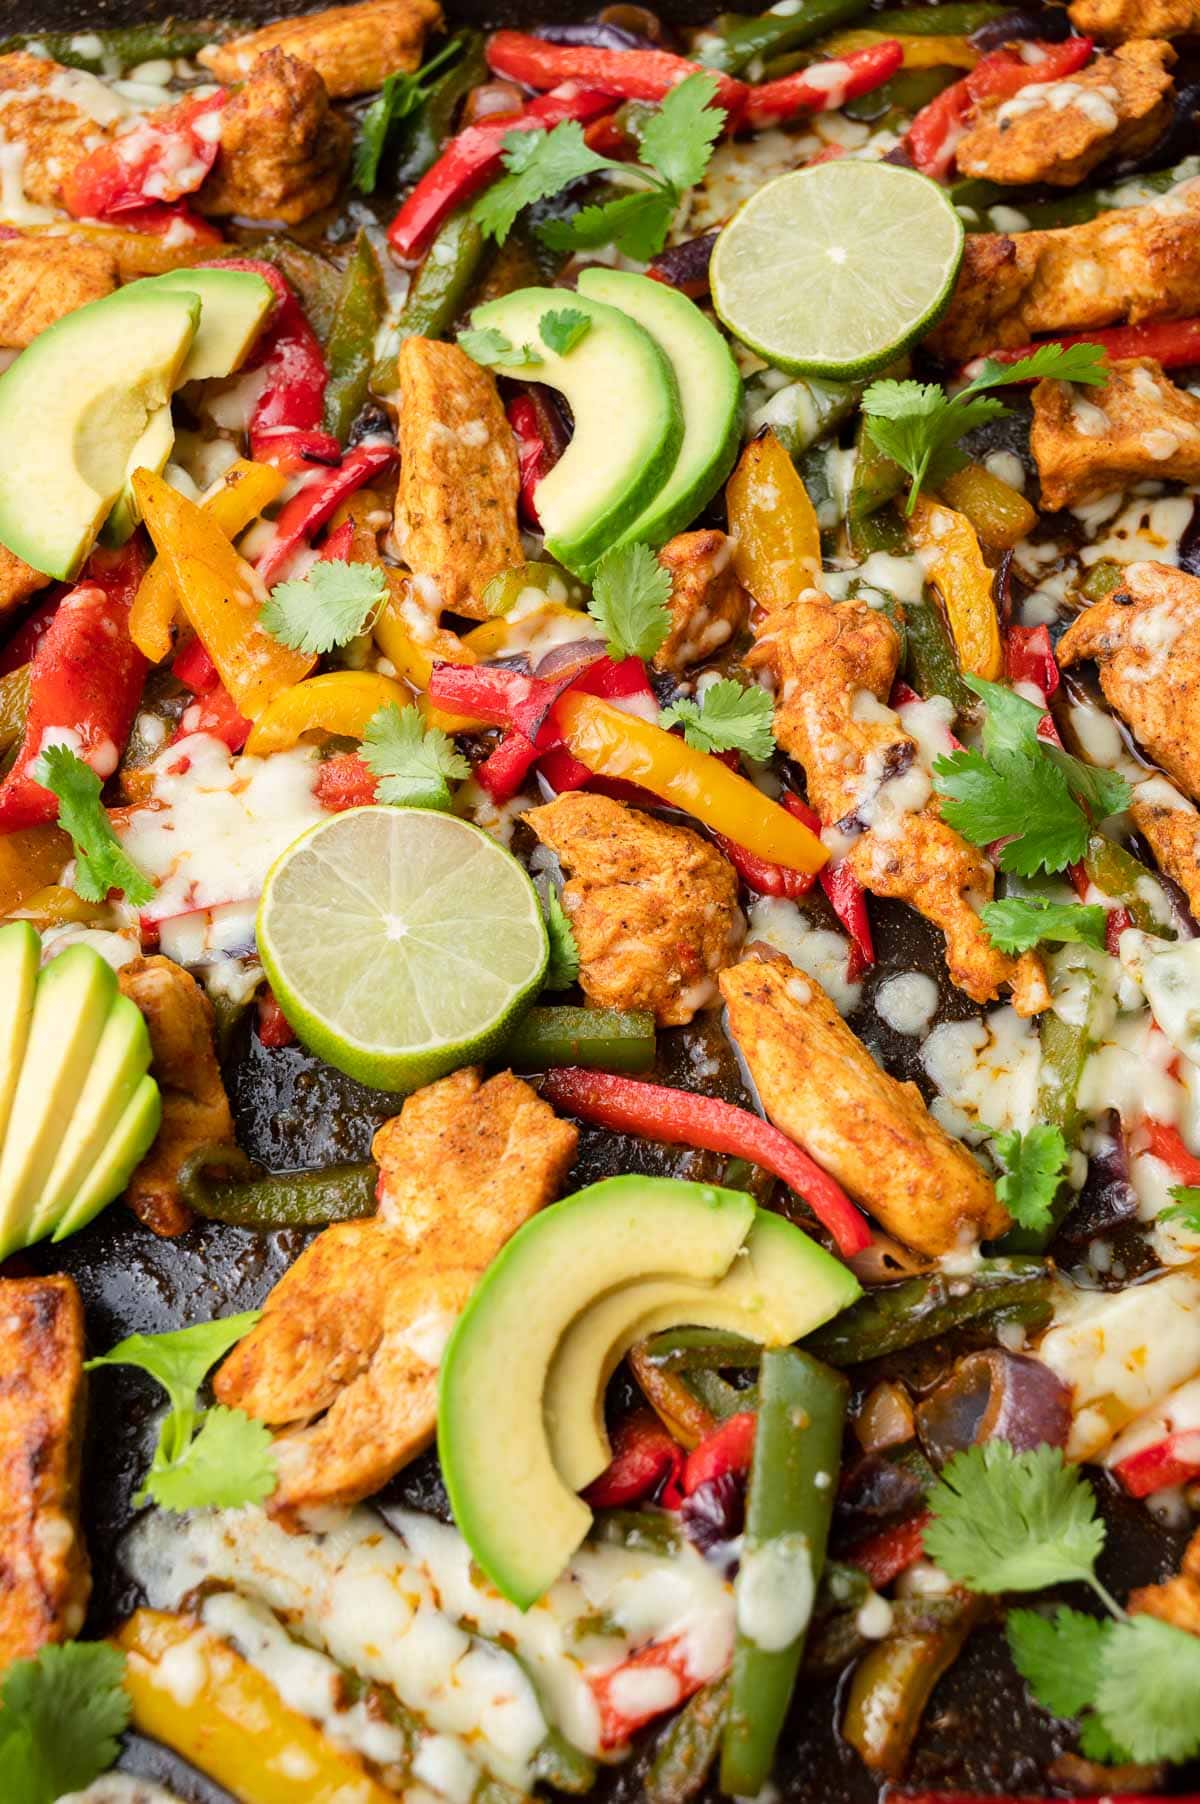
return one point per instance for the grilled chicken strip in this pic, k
(708, 605)
(1170, 826)
(654, 907)
(18, 580)
(283, 148)
(345, 1358)
(44, 1578)
(1115, 20)
(834, 664)
(820, 1085)
(352, 48)
(48, 113)
(1135, 264)
(1057, 131)
(1177, 1600)
(43, 279)
(1092, 441)
(183, 1059)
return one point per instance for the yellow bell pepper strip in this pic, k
(414, 657)
(14, 705)
(245, 491)
(340, 703)
(942, 51)
(31, 858)
(56, 905)
(220, 595)
(234, 1726)
(999, 513)
(777, 538)
(957, 571)
(622, 746)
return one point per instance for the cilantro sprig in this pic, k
(563, 968)
(562, 328)
(325, 609)
(1006, 1521)
(676, 143)
(62, 1713)
(401, 95)
(412, 762)
(726, 718)
(630, 592)
(100, 861)
(1018, 923)
(918, 425)
(1033, 1166)
(1184, 1207)
(487, 345)
(214, 1458)
(1023, 790)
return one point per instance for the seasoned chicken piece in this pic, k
(1145, 641)
(1138, 263)
(52, 117)
(1114, 20)
(456, 506)
(195, 1108)
(1177, 1600)
(709, 606)
(654, 908)
(1057, 131)
(352, 48)
(834, 664)
(18, 580)
(283, 148)
(821, 1087)
(44, 1580)
(346, 1354)
(41, 279)
(1091, 441)
(1170, 827)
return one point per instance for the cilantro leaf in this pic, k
(562, 328)
(228, 1464)
(487, 346)
(401, 96)
(63, 1711)
(630, 592)
(411, 760)
(1005, 1521)
(1083, 363)
(1185, 1208)
(727, 718)
(1014, 797)
(677, 140)
(1059, 1657)
(1101, 792)
(636, 223)
(328, 607)
(1018, 923)
(563, 968)
(1149, 1686)
(100, 861)
(1034, 1165)
(537, 165)
(179, 1360)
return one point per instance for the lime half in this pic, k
(400, 943)
(834, 270)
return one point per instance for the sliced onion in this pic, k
(885, 1260)
(568, 659)
(886, 1418)
(1049, 25)
(995, 1396)
(685, 266)
(596, 34)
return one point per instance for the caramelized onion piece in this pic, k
(995, 1395)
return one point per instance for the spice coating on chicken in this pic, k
(283, 149)
(44, 279)
(1114, 20)
(708, 605)
(352, 48)
(653, 907)
(1094, 441)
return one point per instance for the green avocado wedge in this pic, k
(710, 392)
(780, 1286)
(624, 398)
(521, 1522)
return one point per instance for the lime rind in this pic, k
(400, 943)
(837, 269)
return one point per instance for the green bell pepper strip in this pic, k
(736, 40)
(904, 95)
(316, 281)
(1102, 579)
(722, 1400)
(877, 478)
(556, 1761)
(952, 21)
(439, 290)
(701, 1349)
(789, 1505)
(504, 590)
(424, 133)
(688, 1747)
(893, 1683)
(350, 348)
(126, 45)
(894, 1316)
(929, 654)
(1118, 873)
(803, 411)
(637, 1531)
(601, 1039)
(253, 1198)
(1065, 1047)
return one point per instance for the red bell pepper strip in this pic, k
(85, 683)
(1003, 73)
(628, 74)
(1029, 658)
(471, 158)
(1171, 342)
(285, 426)
(504, 698)
(823, 86)
(617, 1721)
(214, 710)
(301, 518)
(846, 895)
(1165, 1142)
(623, 680)
(504, 770)
(344, 781)
(156, 221)
(273, 1026)
(25, 640)
(727, 1449)
(193, 667)
(681, 1118)
(768, 879)
(164, 156)
(933, 136)
(886, 1555)
(1174, 1460)
(644, 1459)
(531, 452)
(1117, 919)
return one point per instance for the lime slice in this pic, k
(834, 270)
(400, 943)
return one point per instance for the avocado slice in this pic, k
(625, 402)
(520, 1521)
(121, 1060)
(780, 1286)
(72, 408)
(150, 453)
(710, 392)
(71, 1006)
(20, 957)
(234, 304)
(124, 1150)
